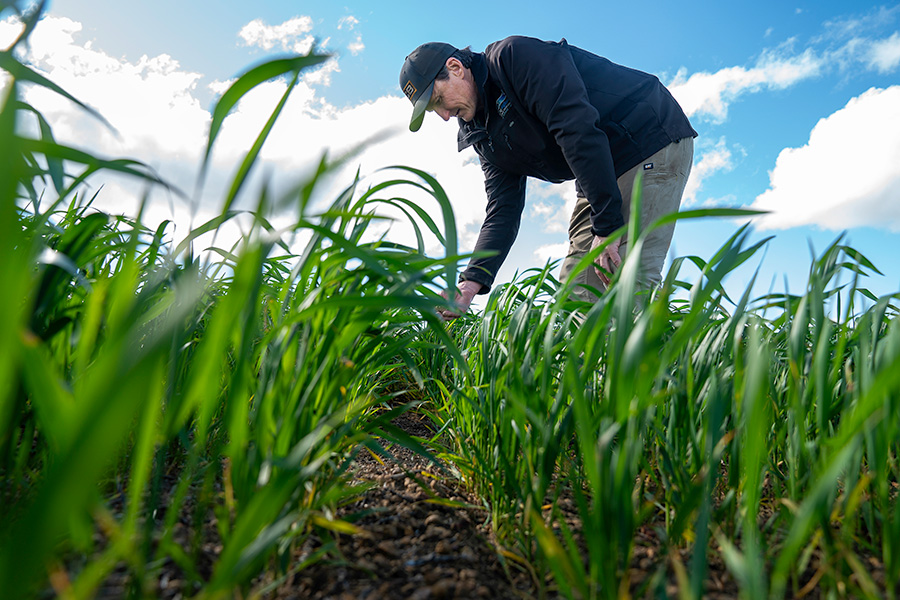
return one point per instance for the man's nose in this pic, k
(444, 113)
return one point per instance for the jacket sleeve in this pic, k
(506, 200)
(549, 86)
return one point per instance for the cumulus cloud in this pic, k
(152, 103)
(846, 46)
(220, 87)
(309, 125)
(846, 175)
(292, 35)
(9, 31)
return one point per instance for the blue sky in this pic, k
(797, 104)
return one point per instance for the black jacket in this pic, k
(557, 112)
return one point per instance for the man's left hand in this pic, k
(609, 259)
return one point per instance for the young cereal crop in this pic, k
(761, 437)
(164, 407)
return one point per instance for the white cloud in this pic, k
(309, 125)
(292, 35)
(322, 75)
(551, 204)
(847, 175)
(849, 27)
(349, 21)
(153, 104)
(9, 31)
(719, 202)
(708, 95)
(712, 161)
(150, 102)
(884, 55)
(356, 46)
(220, 87)
(551, 252)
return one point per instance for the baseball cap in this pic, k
(417, 77)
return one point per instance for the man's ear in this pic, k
(454, 65)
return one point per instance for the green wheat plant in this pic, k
(147, 384)
(758, 431)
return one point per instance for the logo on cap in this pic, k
(409, 89)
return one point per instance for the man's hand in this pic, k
(609, 259)
(467, 290)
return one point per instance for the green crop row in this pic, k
(145, 385)
(759, 433)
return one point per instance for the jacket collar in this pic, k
(476, 131)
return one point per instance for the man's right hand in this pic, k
(609, 259)
(466, 290)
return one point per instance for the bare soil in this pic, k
(422, 536)
(415, 546)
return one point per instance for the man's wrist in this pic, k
(469, 287)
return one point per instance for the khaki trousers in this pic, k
(664, 177)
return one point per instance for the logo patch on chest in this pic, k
(502, 105)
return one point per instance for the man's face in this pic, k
(455, 96)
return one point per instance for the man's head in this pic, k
(437, 76)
